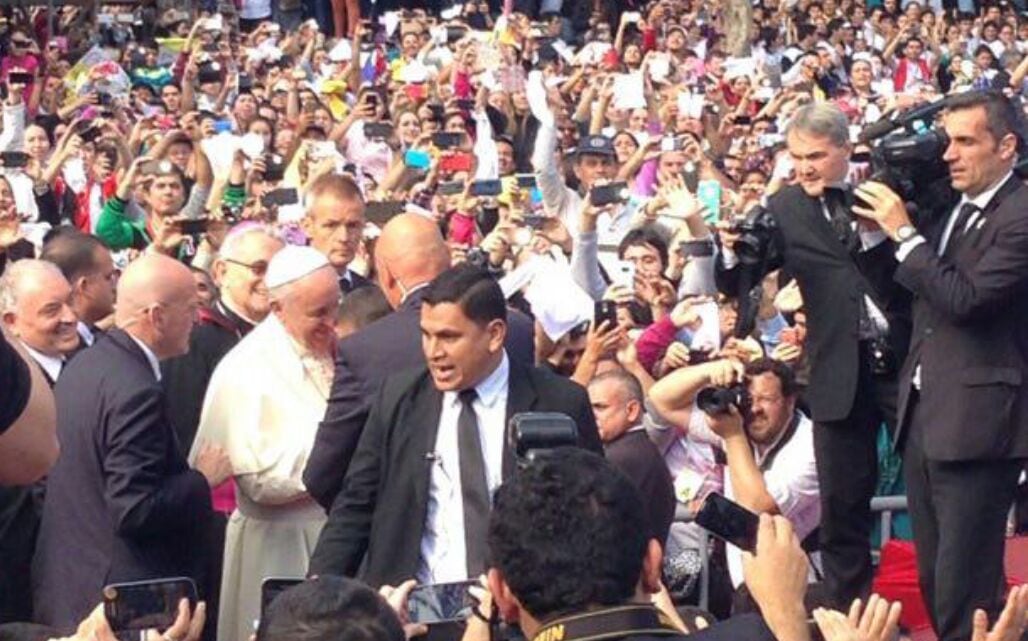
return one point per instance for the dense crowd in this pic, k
(317, 288)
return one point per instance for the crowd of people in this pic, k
(390, 296)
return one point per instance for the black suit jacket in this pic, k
(832, 282)
(121, 504)
(389, 345)
(381, 511)
(639, 459)
(185, 378)
(970, 333)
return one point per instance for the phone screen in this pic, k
(440, 602)
(146, 604)
(708, 192)
(271, 587)
(729, 521)
(486, 188)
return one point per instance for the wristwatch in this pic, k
(905, 233)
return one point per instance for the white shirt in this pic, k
(443, 552)
(51, 364)
(86, 334)
(791, 480)
(150, 356)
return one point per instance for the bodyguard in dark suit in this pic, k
(963, 399)
(417, 494)
(859, 327)
(408, 255)
(617, 400)
(122, 504)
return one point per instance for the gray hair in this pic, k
(234, 239)
(821, 119)
(14, 277)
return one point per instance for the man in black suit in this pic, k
(617, 400)
(122, 505)
(963, 398)
(334, 224)
(408, 255)
(417, 494)
(859, 328)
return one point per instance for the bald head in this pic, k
(410, 252)
(157, 303)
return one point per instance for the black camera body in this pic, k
(720, 400)
(911, 165)
(533, 435)
(755, 234)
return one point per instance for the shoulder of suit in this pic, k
(405, 382)
(549, 383)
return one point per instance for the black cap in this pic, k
(596, 145)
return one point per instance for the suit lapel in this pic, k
(423, 427)
(521, 397)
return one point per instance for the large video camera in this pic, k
(906, 155)
(534, 435)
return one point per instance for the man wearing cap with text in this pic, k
(263, 406)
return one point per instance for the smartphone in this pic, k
(417, 159)
(695, 248)
(729, 521)
(624, 274)
(280, 197)
(456, 162)
(141, 605)
(699, 356)
(533, 221)
(274, 171)
(14, 159)
(378, 130)
(438, 112)
(371, 99)
(381, 212)
(194, 227)
(670, 143)
(440, 602)
(104, 99)
(487, 218)
(19, 78)
(90, 134)
(271, 587)
(525, 181)
(451, 188)
(860, 157)
(465, 104)
(743, 120)
(447, 140)
(486, 188)
(609, 194)
(605, 310)
(222, 126)
(708, 192)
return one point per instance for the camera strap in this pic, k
(611, 623)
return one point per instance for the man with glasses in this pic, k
(242, 303)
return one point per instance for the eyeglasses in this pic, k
(258, 268)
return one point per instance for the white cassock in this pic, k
(263, 406)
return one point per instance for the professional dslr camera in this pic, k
(533, 435)
(755, 231)
(720, 400)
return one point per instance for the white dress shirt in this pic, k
(443, 552)
(790, 478)
(86, 334)
(150, 356)
(51, 364)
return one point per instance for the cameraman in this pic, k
(963, 400)
(768, 445)
(859, 328)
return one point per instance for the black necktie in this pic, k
(345, 285)
(957, 233)
(473, 483)
(836, 202)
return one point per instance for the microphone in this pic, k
(903, 119)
